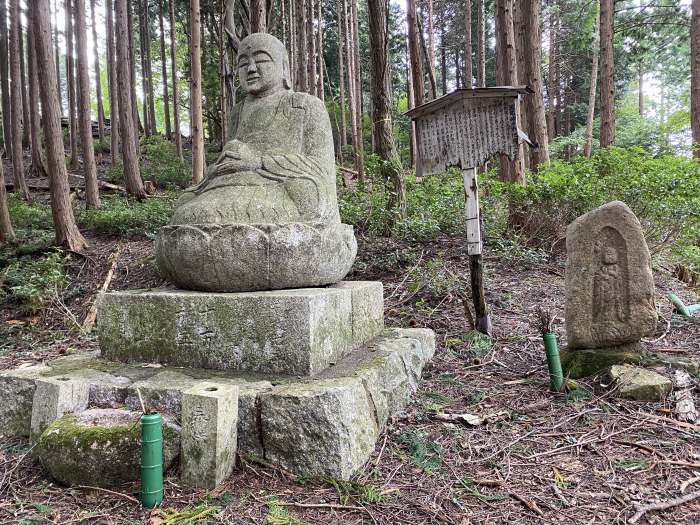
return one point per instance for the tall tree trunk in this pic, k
(57, 54)
(695, 77)
(5, 80)
(92, 196)
(311, 42)
(507, 75)
(70, 84)
(480, 44)
(16, 102)
(258, 18)
(412, 101)
(113, 94)
(301, 46)
(431, 37)
(443, 56)
(67, 233)
(354, 91)
(468, 52)
(38, 161)
(223, 58)
(149, 69)
(641, 89)
(552, 80)
(343, 139)
(414, 53)
(590, 117)
(144, 43)
(532, 67)
(135, 120)
(196, 96)
(25, 82)
(173, 75)
(164, 69)
(607, 74)
(7, 233)
(127, 129)
(319, 52)
(98, 80)
(354, 19)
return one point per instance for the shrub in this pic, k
(159, 163)
(122, 216)
(31, 283)
(32, 215)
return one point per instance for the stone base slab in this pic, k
(291, 332)
(325, 425)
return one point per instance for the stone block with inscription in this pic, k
(209, 433)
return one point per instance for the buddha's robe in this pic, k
(291, 135)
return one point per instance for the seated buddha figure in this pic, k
(266, 214)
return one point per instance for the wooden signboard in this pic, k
(464, 129)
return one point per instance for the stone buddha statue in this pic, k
(266, 214)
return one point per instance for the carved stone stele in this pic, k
(266, 214)
(609, 284)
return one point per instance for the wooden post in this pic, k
(474, 248)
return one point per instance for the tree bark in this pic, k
(468, 52)
(57, 54)
(173, 75)
(301, 46)
(92, 195)
(132, 74)
(70, 85)
(507, 75)
(354, 91)
(144, 42)
(590, 117)
(7, 233)
(223, 58)
(311, 42)
(258, 18)
(130, 161)
(98, 79)
(67, 233)
(319, 53)
(480, 44)
(112, 74)
(532, 67)
(5, 80)
(164, 70)
(25, 82)
(607, 74)
(695, 77)
(196, 96)
(414, 54)
(38, 160)
(431, 37)
(16, 102)
(149, 70)
(343, 139)
(552, 80)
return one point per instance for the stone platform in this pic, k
(295, 332)
(323, 425)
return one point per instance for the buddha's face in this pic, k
(261, 66)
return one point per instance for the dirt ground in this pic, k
(579, 458)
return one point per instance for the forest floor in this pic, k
(579, 458)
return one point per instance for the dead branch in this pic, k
(662, 505)
(89, 321)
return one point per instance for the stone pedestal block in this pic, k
(209, 433)
(290, 332)
(54, 397)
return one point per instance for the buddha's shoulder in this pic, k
(307, 102)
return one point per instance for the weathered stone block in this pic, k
(209, 433)
(609, 284)
(294, 332)
(321, 428)
(54, 397)
(640, 384)
(367, 309)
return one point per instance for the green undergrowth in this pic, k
(121, 215)
(364, 493)
(30, 283)
(423, 452)
(278, 514)
(159, 164)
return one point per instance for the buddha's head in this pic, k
(263, 65)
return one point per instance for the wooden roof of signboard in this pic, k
(467, 93)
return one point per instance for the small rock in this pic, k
(640, 384)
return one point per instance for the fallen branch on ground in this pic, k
(662, 505)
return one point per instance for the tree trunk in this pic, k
(144, 42)
(343, 139)
(468, 52)
(354, 92)
(149, 70)
(196, 97)
(431, 38)
(5, 80)
(98, 80)
(480, 44)
(164, 69)
(532, 67)
(411, 101)
(588, 147)
(7, 233)
(173, 75)
(130, 161)
(67, 233)
(414, 53)
(135, 120)
(507, 75)
(641, 89)
(552, 80)
(258, 19)
(223, 104)
(311, 42)
(443, 58)
(113, 94)
(16, 102)
(57, 54)
(301, 46)
(92, 196)
(38, 161)
(607, 74)
(70, 85)
(319, 53)
(25, 82)
(695, 77)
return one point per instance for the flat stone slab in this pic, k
(639, 383)
(294, 332)
(323, 425)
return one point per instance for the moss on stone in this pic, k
(583, 363)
